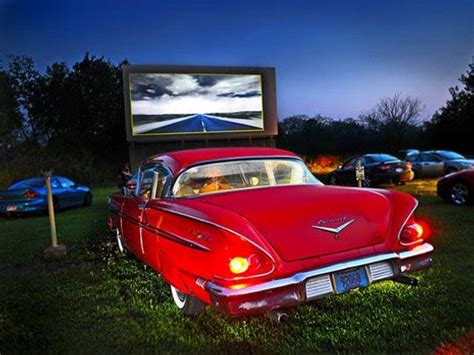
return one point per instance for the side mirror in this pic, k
(131, 186)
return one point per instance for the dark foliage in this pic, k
(71, 119)
(453, 125)
(68, 119)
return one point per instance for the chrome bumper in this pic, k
(422, 252)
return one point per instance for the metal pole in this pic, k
(52, 220)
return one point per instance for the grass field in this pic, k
(95, 300)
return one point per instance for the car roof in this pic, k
(181, 159)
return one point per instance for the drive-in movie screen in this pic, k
(177, 103)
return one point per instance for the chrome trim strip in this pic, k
(302, 276)
(419, 250)
(404, 224)
(228, 230)
(167, 235)
(334, 230)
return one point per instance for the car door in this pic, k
(153, 217)
(72, 195)
(59, 192)
(430, 165)
(346, 175)
(132, 214)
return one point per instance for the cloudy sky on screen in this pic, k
(184, 93)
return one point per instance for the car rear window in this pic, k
(241, 174)
(29, 183)
(381, 157)
(445, 154)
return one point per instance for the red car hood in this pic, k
(293, 218)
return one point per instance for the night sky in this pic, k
(336, 58)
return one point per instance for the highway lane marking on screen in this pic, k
(199, 123)
(154, 125)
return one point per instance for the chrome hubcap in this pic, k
(179, 297)
(459, 194)
(119, 242)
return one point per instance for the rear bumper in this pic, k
(313, 284)
(16, 207)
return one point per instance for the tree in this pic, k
(10, 118)
(22, 82)
(394, 117)
(455, 120)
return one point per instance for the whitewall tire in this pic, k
(187, 304)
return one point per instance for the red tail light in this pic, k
(384, 167)
(412, 233)
(30, 194)
(240, 259)
(238, 265)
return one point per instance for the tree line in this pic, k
(72, 119)
(392, 125)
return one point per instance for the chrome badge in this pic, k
(335, 230)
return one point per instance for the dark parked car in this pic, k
(30, 195)
(434, 163)
(457, 187)
(379, 168)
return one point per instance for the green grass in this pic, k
(96, 301)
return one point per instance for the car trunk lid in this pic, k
(13, 195)
(306, 221)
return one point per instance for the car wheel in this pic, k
(332, 180)
(121, 247)
(87, 199)
(459, 194)
(188, 304)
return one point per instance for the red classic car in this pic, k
(251, 230)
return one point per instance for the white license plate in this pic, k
(11, 208)
(399, 170)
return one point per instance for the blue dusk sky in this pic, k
(335, 58)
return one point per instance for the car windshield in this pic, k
(381, 157)
(26, 184)
(447, 155)
(242, 174)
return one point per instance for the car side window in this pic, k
(350, 164)
(55, 183)
(65, 182)
(429, 157)
(413, 158)
(146, 178)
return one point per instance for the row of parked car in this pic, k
(457, 184)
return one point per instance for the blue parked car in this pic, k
(30, 195)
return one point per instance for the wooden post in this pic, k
(52, 219)
(56, 250)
